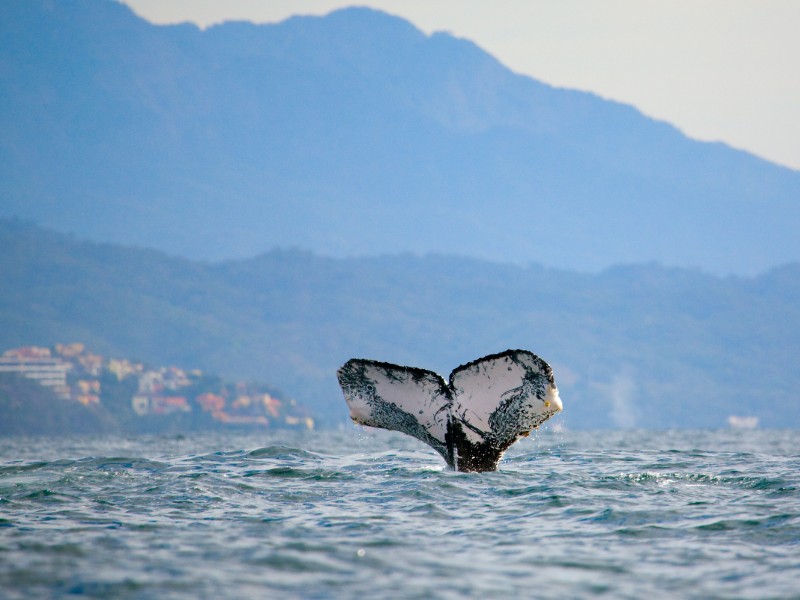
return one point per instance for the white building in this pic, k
(49, 372)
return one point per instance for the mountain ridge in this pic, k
(355, 134)
(635, 346)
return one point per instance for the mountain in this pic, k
(635, 346)
(355, 134)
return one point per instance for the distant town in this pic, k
(130, 389)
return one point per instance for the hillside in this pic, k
(354, 135)
(643, 345)
(31, 409)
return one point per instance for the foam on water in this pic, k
(374, 514)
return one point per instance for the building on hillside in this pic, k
(122, 367)
(271, 405)
(308, 422)
(175, 378)
(87, 391)
(229, 419)
(28, 353)
(91, 364)
(151, 382)
(241, 402)
(70, 350)
(38, 364)
(148, 404)
(210, 402)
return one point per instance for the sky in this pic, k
(719, 70)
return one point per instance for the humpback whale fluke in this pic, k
(487, 405)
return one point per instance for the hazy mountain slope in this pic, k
(636, 346)
(355, 134)
(28, 408)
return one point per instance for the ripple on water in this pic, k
(362, 515)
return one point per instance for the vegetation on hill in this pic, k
(640, 346)
(29, 408)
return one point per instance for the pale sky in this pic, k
(720, 70)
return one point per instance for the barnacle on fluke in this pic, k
(486, 406)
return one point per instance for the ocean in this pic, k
(360, 513)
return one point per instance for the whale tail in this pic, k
(471, 420)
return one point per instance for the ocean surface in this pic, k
(364, 513)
